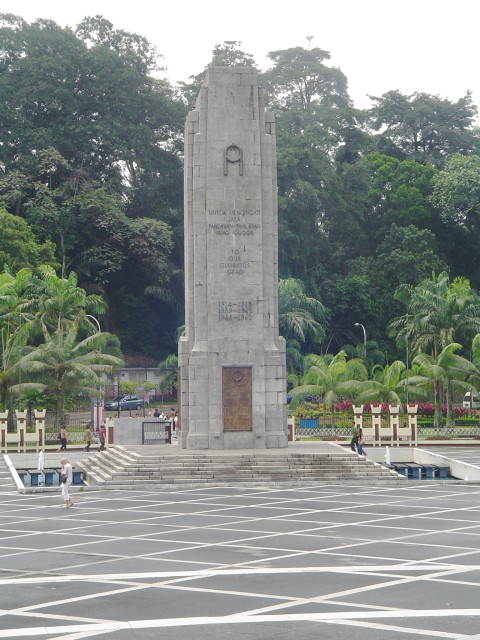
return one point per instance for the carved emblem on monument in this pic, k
(233, 155)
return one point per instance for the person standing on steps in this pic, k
(66, 478)
(101, 437)
(87, 437)
(354, 440)
(360, 442)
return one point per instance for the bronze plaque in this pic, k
(237, 398)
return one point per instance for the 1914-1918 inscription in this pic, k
(237, 398)
(228, 310)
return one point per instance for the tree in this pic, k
(450, 370)
(369, 352)
(63, 365)
(168, 369)
(18, 246)
(56, 301)
(14, 333)
(387, 384)
(226, 54)
(424, 126)
(299, 79)
(456, 191)
(437, 311)
(128, 387)
(294, 358)
(90, 157)
(298, 314)
(330, 377)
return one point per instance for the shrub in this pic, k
(344, 407)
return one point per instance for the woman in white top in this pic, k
(67, 473)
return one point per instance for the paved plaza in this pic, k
(326, 562)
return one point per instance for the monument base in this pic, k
(239, 440)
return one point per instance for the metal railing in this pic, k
(339, 427)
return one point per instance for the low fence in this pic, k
(37, 432)
(381, 429)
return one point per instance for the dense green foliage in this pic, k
(89, 158)
(90, 161)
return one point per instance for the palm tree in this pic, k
(331, 377)
(369, 352)
(299, 315)
(13, 330)
(387, 384)
(12, 350)
(448, 369)
(294, 356)
(54, 301)
(437, 311)
(168, 368)
(62, 365)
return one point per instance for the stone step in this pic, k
(244, 473)
(119, 467)
(6, 481)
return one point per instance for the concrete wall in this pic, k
(127, 431)
(458, 469)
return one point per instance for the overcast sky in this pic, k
(380, 45)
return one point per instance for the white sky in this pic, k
(380, 45)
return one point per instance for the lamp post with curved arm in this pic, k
(98, 402)
(96, 322)
(359, 324)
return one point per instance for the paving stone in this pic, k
(213, 554)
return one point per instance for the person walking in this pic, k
(354, 440)
(66, 478)
(101, 437)
(87, 437)
(63, 438)
(360, 443)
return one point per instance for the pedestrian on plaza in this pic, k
(63, 437)
(66, 478)
(87, 437)
(156, 413)
(354, 440)
(360, 442)
(101, 437)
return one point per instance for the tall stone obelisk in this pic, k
(232, 359)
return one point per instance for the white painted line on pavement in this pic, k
(334, 618)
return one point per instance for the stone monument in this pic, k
(232, 380)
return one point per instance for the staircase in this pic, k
(120, 468)
(6, 480)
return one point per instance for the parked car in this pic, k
(169, 396)
(155, 398)
(469, 402)
(126, 402)
(306, 399)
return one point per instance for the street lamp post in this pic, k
(359, 324)
(98, 401)
(96, 322)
